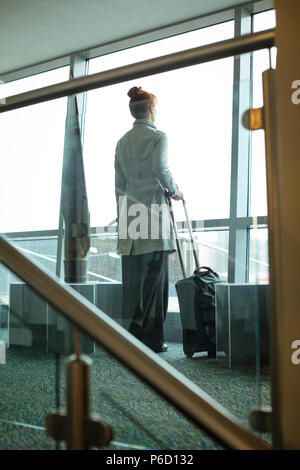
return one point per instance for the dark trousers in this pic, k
(145, 296)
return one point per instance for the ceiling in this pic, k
(34, 31)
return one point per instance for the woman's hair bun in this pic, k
(140, 101)
(135, 93)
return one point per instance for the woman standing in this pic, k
(145, 238)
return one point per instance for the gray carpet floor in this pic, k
(33, 382)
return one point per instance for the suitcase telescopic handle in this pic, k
(177, 237)
(191, 235)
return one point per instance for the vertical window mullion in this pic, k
(239, 197)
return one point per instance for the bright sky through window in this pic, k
(194, 106)
(194, 109)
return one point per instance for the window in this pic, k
(194, 105)
(258, 256)
(32, 142)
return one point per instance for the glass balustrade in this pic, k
(37, 340)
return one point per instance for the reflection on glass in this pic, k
(104, 263)
(28, 374)
(212, 251)
(259, 276)
(258, 239)
(259, 256)
(42, 251)
(33, 384)
(141, 418)
(39, 341)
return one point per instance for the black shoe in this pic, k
(163, 348)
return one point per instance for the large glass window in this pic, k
(195, 110)
(32, 142)
(194, 105)
(258, 256)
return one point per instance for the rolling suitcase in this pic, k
(196, 296)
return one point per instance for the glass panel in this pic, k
(193, 105)
(32, 141)
(36, 335)
(259, 276)
(202, 170)
(42, 249)
(141, 419)
(258, 237)
(177, 43)
(104, 263)
(259, 256)
(212, 250)
(242, 337)
(33, 82)
(261, 62)
(264, 20)
(258, 175)
(27, 367)
(33, 384)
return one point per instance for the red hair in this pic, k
(140, 101)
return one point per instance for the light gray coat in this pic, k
(141, 177)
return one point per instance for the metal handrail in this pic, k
(193, 402)
(194, 56)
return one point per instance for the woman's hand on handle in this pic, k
(178, 198)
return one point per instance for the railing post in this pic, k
(78, 427)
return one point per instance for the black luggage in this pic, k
(196, 296)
